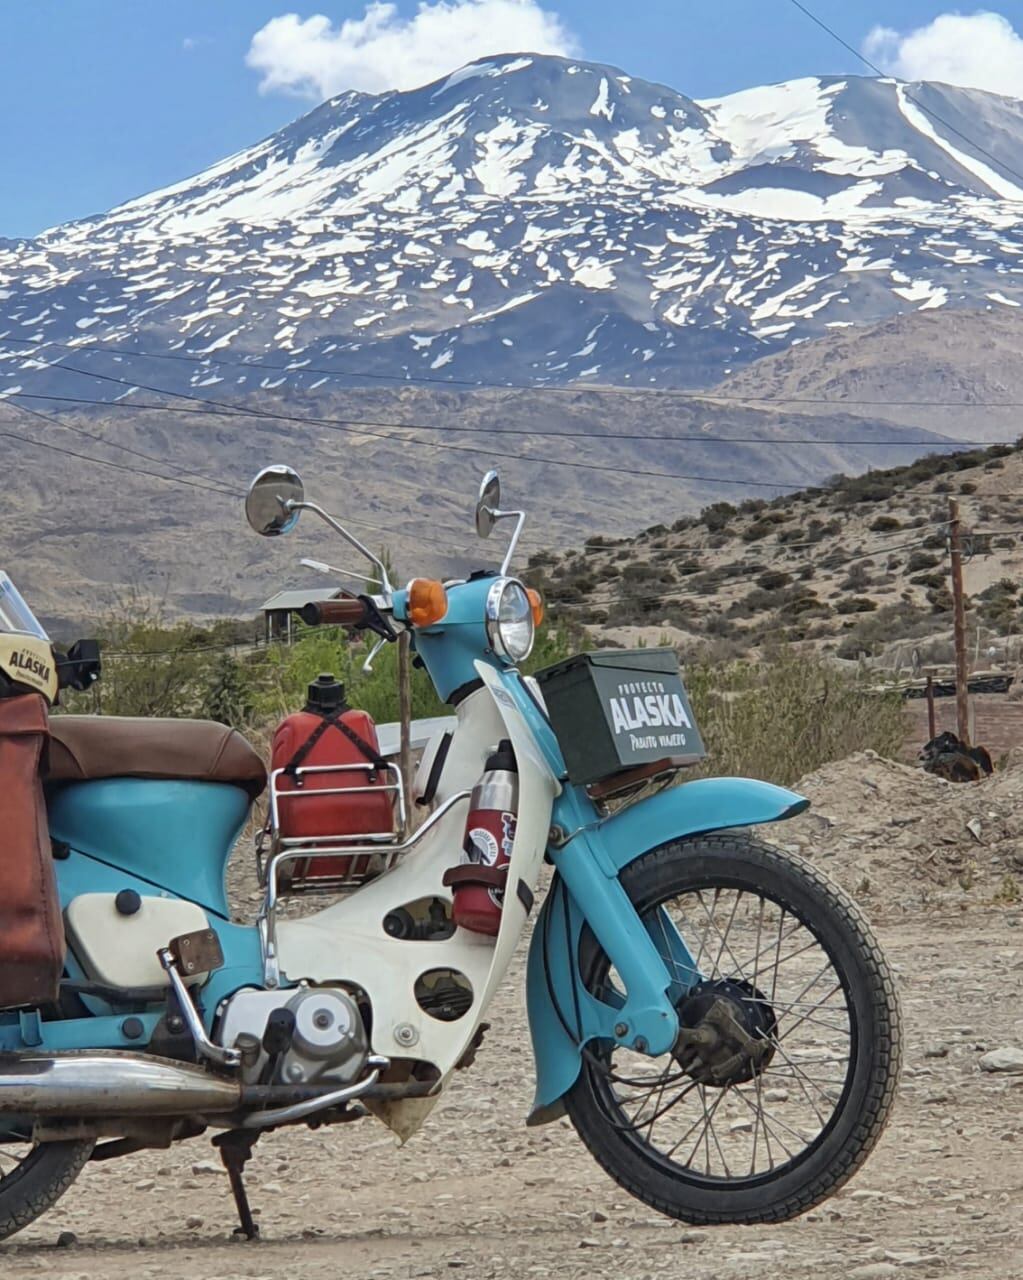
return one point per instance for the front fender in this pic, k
(557, 1001)
(705, 804)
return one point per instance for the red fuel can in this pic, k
(319, 806)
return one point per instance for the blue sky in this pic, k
(102, 100)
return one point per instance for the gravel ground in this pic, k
(478, 1194)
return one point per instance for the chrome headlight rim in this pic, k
(509, 655)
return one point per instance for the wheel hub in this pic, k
(725, 1032)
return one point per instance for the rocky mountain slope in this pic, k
(535, 219)
(956, 371)
(858, 569)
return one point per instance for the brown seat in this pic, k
(86, 748)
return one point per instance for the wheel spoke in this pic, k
(809, 1018)
(800, 1078)
(756, 954)
(728, 929)
(713, 924)
(768, 1115)
(10, 1162)
(714, 1135)
(757, 1118)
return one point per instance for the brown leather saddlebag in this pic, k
(31, 927)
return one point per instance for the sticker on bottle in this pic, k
(481, 846)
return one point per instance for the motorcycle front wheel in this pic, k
(794, 1079)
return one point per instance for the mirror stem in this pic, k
(350, 538)
(520, 520)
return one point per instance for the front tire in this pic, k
(787, 956)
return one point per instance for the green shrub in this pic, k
(940, 599)
(920, 560)
(885, 524)
(857, 579)
(717, 516)
(856, 604)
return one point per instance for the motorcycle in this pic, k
(713, 1015)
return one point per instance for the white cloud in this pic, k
(980, 50)
(381, 50)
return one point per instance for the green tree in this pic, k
(227, 696)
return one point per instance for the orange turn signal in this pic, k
(536, 604)
(427, 602)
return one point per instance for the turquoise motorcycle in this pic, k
(713, 1016)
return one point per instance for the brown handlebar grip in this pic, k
(343, 613)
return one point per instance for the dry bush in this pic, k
(791, 713)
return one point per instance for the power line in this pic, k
(102, 462)
(112, 444)
(352, 427)
(360, 427)
(216, 486)
(570, 389)
(972, 142)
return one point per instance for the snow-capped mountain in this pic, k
(536, 220)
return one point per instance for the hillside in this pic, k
(857, 569)
(93, 518)
(956, 371)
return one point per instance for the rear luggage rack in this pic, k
(331, 863)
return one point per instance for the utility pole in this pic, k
(955, 547)
(405, 716)
(932, 720)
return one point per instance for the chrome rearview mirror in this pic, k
(488, 504)
(274, 501)
(488, 512)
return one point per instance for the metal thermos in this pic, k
(489, 837)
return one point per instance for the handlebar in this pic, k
(343, 613)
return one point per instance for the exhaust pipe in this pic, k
(95, 1084)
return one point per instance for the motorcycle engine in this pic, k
(312, 1034)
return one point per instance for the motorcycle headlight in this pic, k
(510, 626)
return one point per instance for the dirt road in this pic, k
(477, 1194)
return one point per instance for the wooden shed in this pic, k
(279, 610)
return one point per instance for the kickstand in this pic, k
(235, 1147)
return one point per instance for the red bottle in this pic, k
(479, 881)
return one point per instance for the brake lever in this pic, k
(367, 666)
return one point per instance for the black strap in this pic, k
(333, 720)
(436, 769)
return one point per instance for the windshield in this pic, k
(15, 615)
